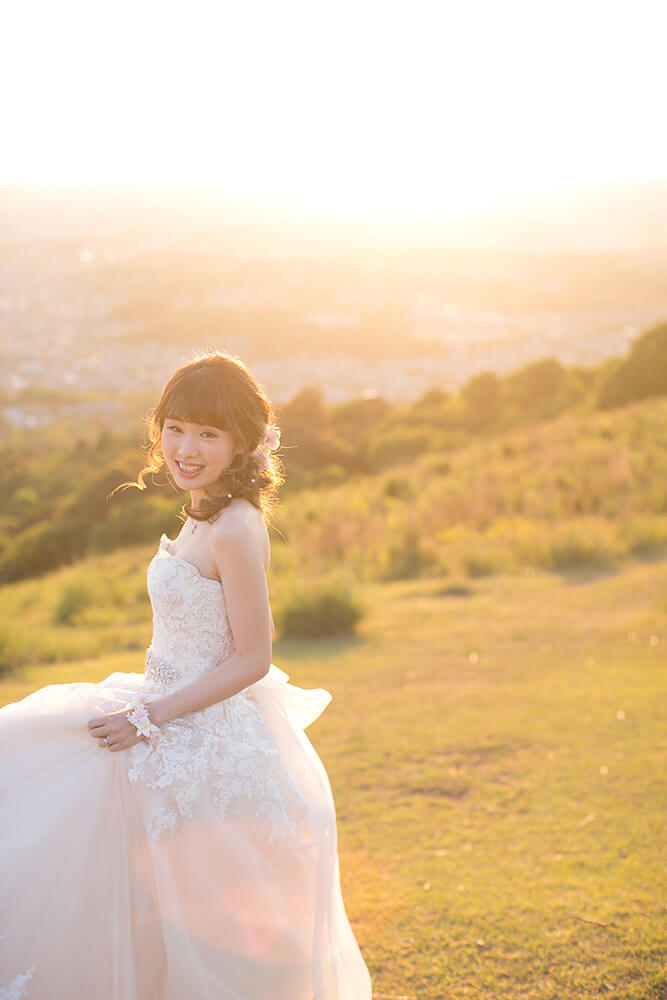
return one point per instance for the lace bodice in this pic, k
(225, 751)
(191, 630)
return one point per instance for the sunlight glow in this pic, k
(356, 109)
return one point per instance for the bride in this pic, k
(172, 834)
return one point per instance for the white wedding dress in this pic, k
(200, 866)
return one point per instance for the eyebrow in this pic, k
(178, 420)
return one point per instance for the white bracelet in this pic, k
(140, 718)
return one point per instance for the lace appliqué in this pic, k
(226, 752)
(17, 988)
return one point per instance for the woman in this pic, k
(172, 834)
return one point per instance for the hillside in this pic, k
(546, 466)
(495, 741)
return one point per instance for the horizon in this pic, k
(623, 216)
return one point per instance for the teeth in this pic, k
(188, 468)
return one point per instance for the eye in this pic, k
(172, 427)
(209, 432)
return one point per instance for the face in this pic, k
(196, 454)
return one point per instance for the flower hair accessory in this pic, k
(270, 442)
(140, 718)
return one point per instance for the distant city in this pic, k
(98, 310)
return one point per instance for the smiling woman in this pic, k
(172, 833)
(185, 444)
(213, 429)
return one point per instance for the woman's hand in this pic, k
(120, 734)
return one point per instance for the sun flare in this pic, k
(362, 110)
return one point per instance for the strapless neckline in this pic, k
(164, 548)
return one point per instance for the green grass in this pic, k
(46, 620)
(497, 754)
(586, 488)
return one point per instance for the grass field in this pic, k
(497, 758)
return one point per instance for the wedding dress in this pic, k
(201, 865)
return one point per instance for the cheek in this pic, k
(167, 443)
(229, 449)
(222, 453)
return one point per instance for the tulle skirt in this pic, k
(217, 907)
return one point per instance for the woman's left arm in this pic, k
(239, 560)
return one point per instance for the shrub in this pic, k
(579, 544)
(477, 564)
(404, 555)
(642, 374)
(644, 535)
(483, 395)
(531, 385)
(75, 598)
(398, 444)
(326, 607)
(399, 488)
(8, 656)
(522, 539)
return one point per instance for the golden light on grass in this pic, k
(543, 846)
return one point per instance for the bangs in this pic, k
(197, 398)
(217, 390)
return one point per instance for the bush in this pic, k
(326, 607)
(642, 374)
(8, 655)
(644, 535)
(477, 564)
(397, 444)
(530, 385)
(483, 395)
(75, 598)
(404, 555)
(580, 544)
(399, 488)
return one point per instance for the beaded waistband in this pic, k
(159, 671)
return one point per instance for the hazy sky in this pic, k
(367, 109)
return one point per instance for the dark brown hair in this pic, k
(217, 389)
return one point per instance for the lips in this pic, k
(189, 468)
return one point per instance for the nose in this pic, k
(187, 447)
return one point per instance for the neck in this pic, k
(196, 496)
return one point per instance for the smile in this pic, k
(188, 469)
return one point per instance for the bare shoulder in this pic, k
(240, 528)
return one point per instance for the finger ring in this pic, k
(106, 741)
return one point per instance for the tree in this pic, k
(642, 374)
(483, 395)
(531, 385)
